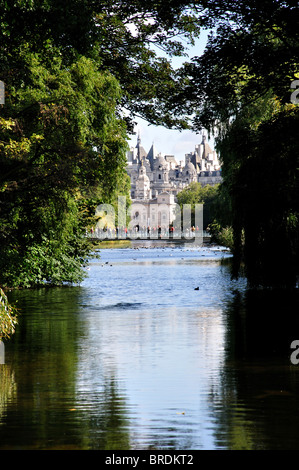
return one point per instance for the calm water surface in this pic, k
(157, 349)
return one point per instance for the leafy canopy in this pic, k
(61, 139)
(240, 91)
(70, 70)
(126, 37)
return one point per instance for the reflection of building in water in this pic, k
(156, 180)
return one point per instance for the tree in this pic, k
(70, 69)
(48, 48)
(252, 48)
(8, 318)
(126, 37)
(264, 189)
(240, 89)
(207, 195)
(61, 140)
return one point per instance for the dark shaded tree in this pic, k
(70, 69)
(126, 37)
(240, 89)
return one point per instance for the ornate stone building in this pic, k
(155, 177)
(206, 163)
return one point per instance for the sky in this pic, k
(166, 141)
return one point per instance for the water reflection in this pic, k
(136, 358)
(45, 411)
(7, 389)
(166, 362)
(258, 406)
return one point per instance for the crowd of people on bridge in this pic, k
(144, 232)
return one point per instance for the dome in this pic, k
(160, 161)
(142, 175)
(190, 167)
(143, 178)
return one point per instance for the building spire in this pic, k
(138, 146)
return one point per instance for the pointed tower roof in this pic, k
(152, 154)
(206, 147)
(141, 153)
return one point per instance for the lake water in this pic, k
(157, 349)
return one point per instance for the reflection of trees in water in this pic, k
(254, 403)
(257, 406)
(107, 427)
(262, 323)
(42, 386)
(8, 388)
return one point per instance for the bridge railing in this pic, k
(164, 234)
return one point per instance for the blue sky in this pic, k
(171, 142)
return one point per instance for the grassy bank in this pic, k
(111, 244)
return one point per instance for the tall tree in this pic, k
(70, 70)
(240, 89)
(61, 140)
(126, 37)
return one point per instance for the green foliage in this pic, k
(61, 140)
(70, 69)
(264, 190)
(54, 256)
(8, 317)
(224, 236)
(253, 48)
(240, 89)
(126, 37)
(209, 196)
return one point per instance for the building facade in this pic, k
(156, 180)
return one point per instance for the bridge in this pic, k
(188, 237)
